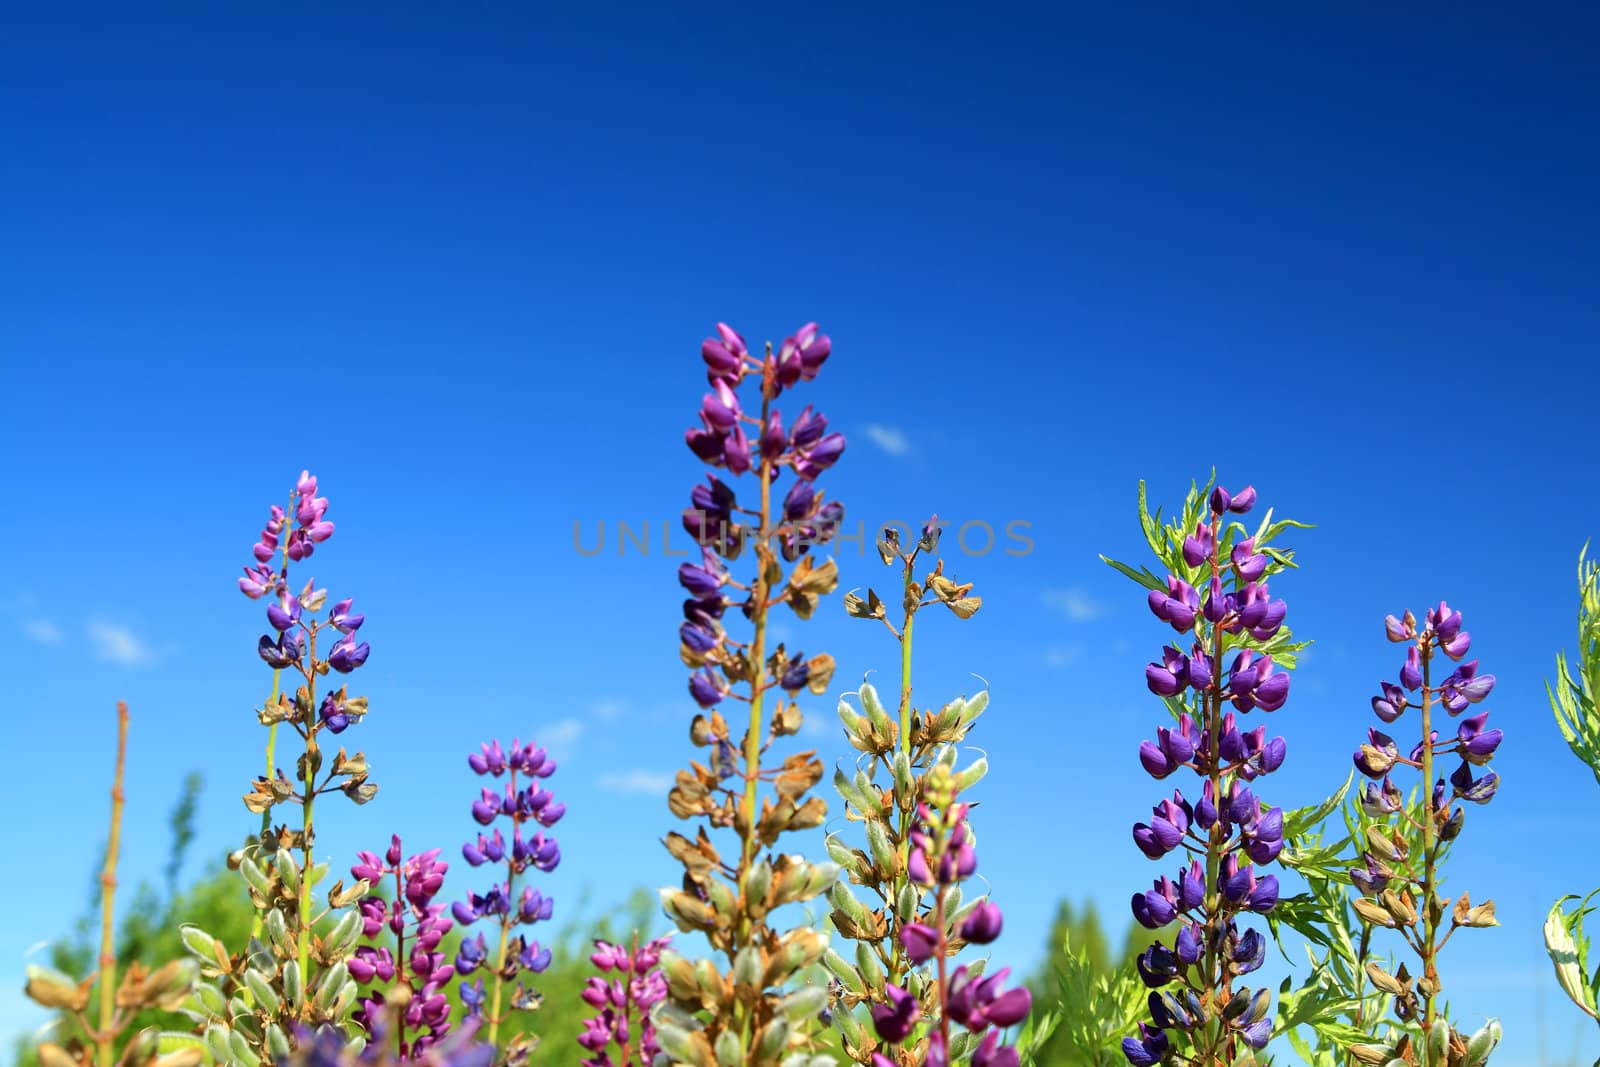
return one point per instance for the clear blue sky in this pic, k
(459, 263)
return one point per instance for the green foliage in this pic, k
(1334, 1008)
(147, 930)
(1576, 691)
(1573, 699)
(1085, 999)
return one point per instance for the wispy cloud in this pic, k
(42, 631)
(1075, 603)
(118, 644)
(561, 732)
(637, 782)
(891, 440)
(1059, 656)
(608, 710)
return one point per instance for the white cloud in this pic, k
(637, 782)
(817, 725)
(1076, 604)
(889, 439)
(1063, 655)
(560, 732)
(607, 710)
(118, 644)
(43, 631)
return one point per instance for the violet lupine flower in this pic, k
(295, 537)
(417, 925)
(941, 856)
(623, 1003)
(722, 441)
(526, 804)
(1474, 745)
(329, 1046)
(1234, 829)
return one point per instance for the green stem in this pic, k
(898, 963)
(505, 928)
(1430, 928)
(304, 939)
(752, 738)
(256, 920)
(905, 659)
(104, 1053)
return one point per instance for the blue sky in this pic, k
(459, 264)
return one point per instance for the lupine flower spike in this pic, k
(622, 1004)
(507, 905)
(905, 747)
(752, 1020)
(943, 855)
(328, 1046)
(1406, 844)
(291, 977)
(409, 982)
(1229, 658)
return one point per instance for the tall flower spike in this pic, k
(1406, 844)
(507, 955)
(942, 856)
(753, 1019)
(278, 864)
(901, 746)
(407, 1004)
(623, 1004)
(1239, 653)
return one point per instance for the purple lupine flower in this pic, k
(624, 1002)
(941, 856)
(523, 801)
(983, 925)
(411, 915)
(348, 654)
(1234, 828)
(1475, 744)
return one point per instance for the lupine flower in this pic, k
(1390, 889)
(521, 802)
(421, 970)
(1233, 829)
(294, 628)
(942, 856)
(623, 1003)
(734, 434)
(329, 1046)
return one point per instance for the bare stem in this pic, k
(104, 1053)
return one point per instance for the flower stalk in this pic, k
(105, 1053)
(752, 1020)
(906, 749)
(524, 803)
(1196, 1014)
(1406, 842)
